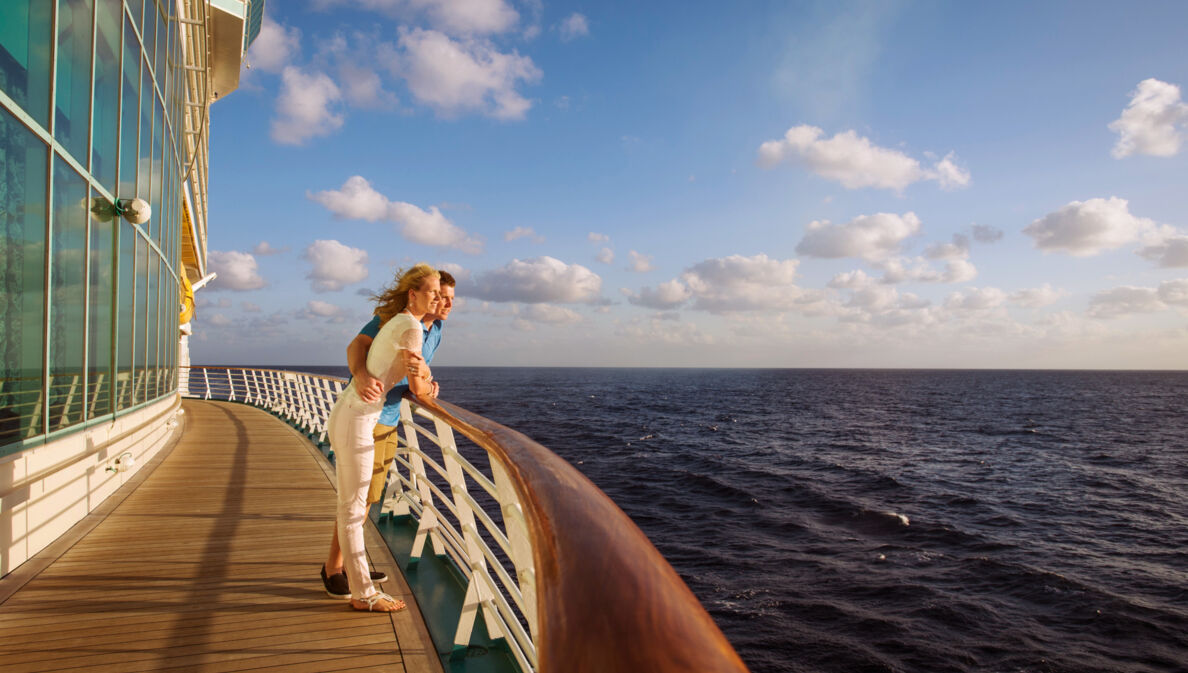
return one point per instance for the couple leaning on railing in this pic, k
(589, 592)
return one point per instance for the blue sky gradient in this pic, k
(964, 184)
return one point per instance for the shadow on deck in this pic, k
(208, 561)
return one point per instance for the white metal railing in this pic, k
(468, 512)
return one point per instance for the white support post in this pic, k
(516, 528)
(206, 384)
(65, 419)
(478, 594)
(230, 386)
(427, 527)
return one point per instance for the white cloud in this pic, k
(304, 107)
(957, 249)
(323, 309)
(456, 17)
(573, 27)
(455, 76)
(871, 237)
(1152, 123)
(919, 271)
(984, 233)
(595, 237)
(667, 295)
(639, 262)
(236, 271)
(250, 307)
(1037, 297)
(976, 299)
(523, 232)
(738, 283)
(855, 162)
(263, 249)
(220, 320)
(335, 265)
(1123, 300)
(1169, 252)
(358, 200)
(549, 314)
(536, 281)
(363, 87)
(1088, 228)
(606, 256)
(661, 329)
(851, 280)
(459, 273)
(1174, 292)
(274, 47)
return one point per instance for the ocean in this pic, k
(882, 520)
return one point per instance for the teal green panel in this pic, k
(72, 91)
(68, 246)
(23, 175)
(25, 39)
(440, 588)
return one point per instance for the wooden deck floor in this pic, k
(210, 564)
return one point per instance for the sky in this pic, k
(706, 184)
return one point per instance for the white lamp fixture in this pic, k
(125, 462)
(136, 211)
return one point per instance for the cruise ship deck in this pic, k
(208, 560)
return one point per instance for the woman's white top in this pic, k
(401, 332)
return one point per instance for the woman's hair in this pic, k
(394, 298)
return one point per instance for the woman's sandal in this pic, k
(373, 604)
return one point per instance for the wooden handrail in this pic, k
(606, 598)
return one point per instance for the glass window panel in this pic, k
(67, 328)
(158, 171)
(130, 113)
(152, 302)
(148, 30)
(22, 278)
(125, 315)
(136, 8)
(25, 38)
(106, 116)
(162, 42)
(140, 322)
(144, 164)
(72, 91)
(100, 296)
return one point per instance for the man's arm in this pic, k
(369, 388)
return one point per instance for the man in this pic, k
(369, 389)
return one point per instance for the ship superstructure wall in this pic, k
(97, 101)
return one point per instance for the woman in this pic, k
(400, 309)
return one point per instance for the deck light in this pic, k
(126, 461)
(136, 211)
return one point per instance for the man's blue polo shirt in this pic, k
(430, 340)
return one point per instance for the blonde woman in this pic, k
(394, 354)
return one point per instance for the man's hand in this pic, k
(370, 389)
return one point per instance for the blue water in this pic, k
(851, 520)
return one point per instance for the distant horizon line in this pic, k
(949, 369)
